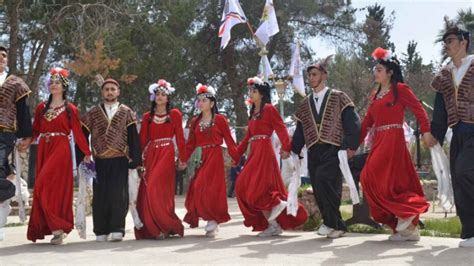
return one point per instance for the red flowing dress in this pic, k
(259, 186)
(207, 196)
(53, 191)
(389, 177)
(155, 202)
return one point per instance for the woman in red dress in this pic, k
(51, 212)
(155, 202)
(260, 191)
(206, 196)
(389, 178)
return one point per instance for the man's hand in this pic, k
(350, 153)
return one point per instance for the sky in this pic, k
(418, 20)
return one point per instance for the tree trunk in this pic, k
(13, 21)
(237, 93)
(38, 71)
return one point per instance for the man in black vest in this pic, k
(454, 107)
(326, 123)
(15, 122)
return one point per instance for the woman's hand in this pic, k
(284, 155)
(429, 140)
(182, 166)
(87, 158)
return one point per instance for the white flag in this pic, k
(269, 23)
(265, 68)
(232, 15)
(296, 71)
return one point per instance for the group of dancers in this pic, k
(327, 123)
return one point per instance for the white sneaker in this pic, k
(414, 236)
(277, 210)
(211, 226)
(212, 233)
(336, 234)
(467, 243)
(403, 224)
(5, 209)
(116, 237)
(101, 238)
(277, 230)
(324, 230)
(58, 237)
(161, 236)
(272, 230)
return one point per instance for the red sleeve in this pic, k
(366, 125)
(76, 128)
(408, 98)
(177, 120)
(191, 142)
(279, 127)
(37, 121)
(243, 145)
(144, 129)
(221, 122)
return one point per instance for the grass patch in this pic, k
(446, 227)
(361, 228)
(312, 223)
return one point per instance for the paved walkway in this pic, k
(235, 244)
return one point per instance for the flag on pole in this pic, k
(269, 24)
(231, 16)
(265, 68)
(296, 71)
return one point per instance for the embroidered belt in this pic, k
(48, 135)
(6, 130)
(387, 127)
(257, 137)
(162, 142)
(208, 146)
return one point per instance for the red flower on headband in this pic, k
(202, 89)
(381, 54)
(250, 81)
(163, 83)
(59, 71)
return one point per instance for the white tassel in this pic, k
(346, 172)
(133, 185)
(442, 171)
(295, 182)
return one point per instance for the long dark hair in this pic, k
(264, 90)
(66, 105)
(153, 107)
(396, 77)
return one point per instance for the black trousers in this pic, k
(462, 175)
(326, 180)
(110, 201)
(7, 143)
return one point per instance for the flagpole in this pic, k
(250, 28)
